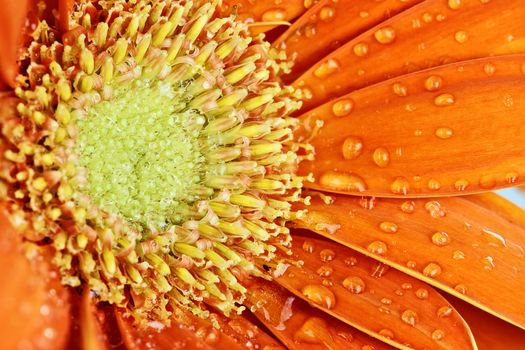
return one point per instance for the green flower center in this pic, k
(142, 153)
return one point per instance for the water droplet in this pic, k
(320, 295)
(427, 17)
(440, 239)
(444, 100)
(444, 133)
(328, 283)
(386, 301)
(309, 30)
(454, 4)
(274, 15)
(388, 227)
(512, 177)
(308, 246)
(385, 35)
(399, 89)
(367, 203)
(354, 284)
(352, 147)
(487, 182)
(434, 209)
(433, 83)
(342, 107)
(444, 311)
(326, 68)
(433, 185)
(327, 255)
(489, 69)
(387, 333)
(461, 184)
(461, 288)
(488, 263)
(377, 247)
(432, 270)
(410, 317)
(438, 334)
(313, 331)
(327, 13)
(461, 36)
(408, 207)
(411, 264)
(363, 14)
(351, 261)
(508, 100)
(400, 186)
(440, 17)
(360, 49)
(406, 285)
(325, 271)
(458, 255)
(422, 293)
(399, 292)
(381, 157)
(343, 181)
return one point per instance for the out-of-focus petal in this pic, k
(444, 131)
(457, 245)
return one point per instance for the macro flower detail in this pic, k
(245, 174)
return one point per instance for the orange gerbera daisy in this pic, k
(171, 179)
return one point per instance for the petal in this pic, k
(459, 246)
(331, 24)
(367, 295)
(92, 333)
(444, 131)
(34, 307)
(432, 33)
(296, 324)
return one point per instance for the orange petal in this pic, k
(93, 335)
(331, 24)
(490, 332)
(34, 307)
(298, 325)
(449, 130)
(457, 245)
(366, 294)
(429, 34)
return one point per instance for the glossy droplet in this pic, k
(461, 36)
(454, 4)
(422, 293)
(488, 263)
(489, 69)
(377, 247)
(433, 83)
(381, 157)
(313, 331)
(487, 182)
(367, 203)
(360, 49)
(427, 17)
(411, 264)
(274, 15)
(343, 181)
(399, 89)
(440, 239)
(461, 184)
(364, 14)
(354, 284)
(342, 107)
(326, 13)
(327, 255)
(351, 261)
(433, 185)
(387, 333)
(309, 30)
(406, 285)
(328, 283)
(432, 270)
(458, 255)
(400, 186)
(512, 177)
(308, 246)
(326, 69)
(408, 207)
(399, 292)
(410, 317)
(386, 301)
(434, 209)
(352, 147)
(444, 311)
(461, 288)
(385, 35)
(320, 295)
(444, 133)
(388, 227)
(438, 335)
(325, 271)
(444, 100)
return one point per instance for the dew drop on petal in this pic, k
(342, 107)
(327, 255)
(377, 247)
(381, 157)
(387, 333)
(388, 227)
(444, 311)
(319, 294)
(440, 239)
(352, 147)
(438, 334)
(400, 186)
(433, 83)
(354, 284)
(432, 270)
(410, 317)
(343, 181)
(422, 293)
(385, 35)
(408, 207)
(444, 133)
(361, 49)
(444, 100)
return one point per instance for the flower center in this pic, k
(142, 154)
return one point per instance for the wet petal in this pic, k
(442, 131)
(408, 42)
(459, 246)
(399, 309)
(12, 17)
(331, 24)
(297, 325)
(34, 307)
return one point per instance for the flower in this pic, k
(155, 183)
